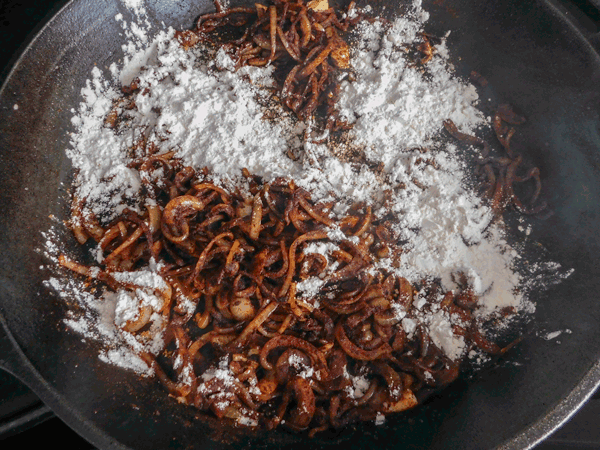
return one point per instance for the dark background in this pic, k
(21, 19)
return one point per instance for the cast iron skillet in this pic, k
(533, 58)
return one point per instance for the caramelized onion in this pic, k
(246, 296)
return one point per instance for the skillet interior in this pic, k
(532, 60)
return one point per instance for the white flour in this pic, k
(216, 118)
(392, 107)
(360, 384)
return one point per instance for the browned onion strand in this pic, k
(500, 173)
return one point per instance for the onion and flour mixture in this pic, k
(194, 105)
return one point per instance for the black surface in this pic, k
(20, 409)
(17, 20)
(15, 23)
